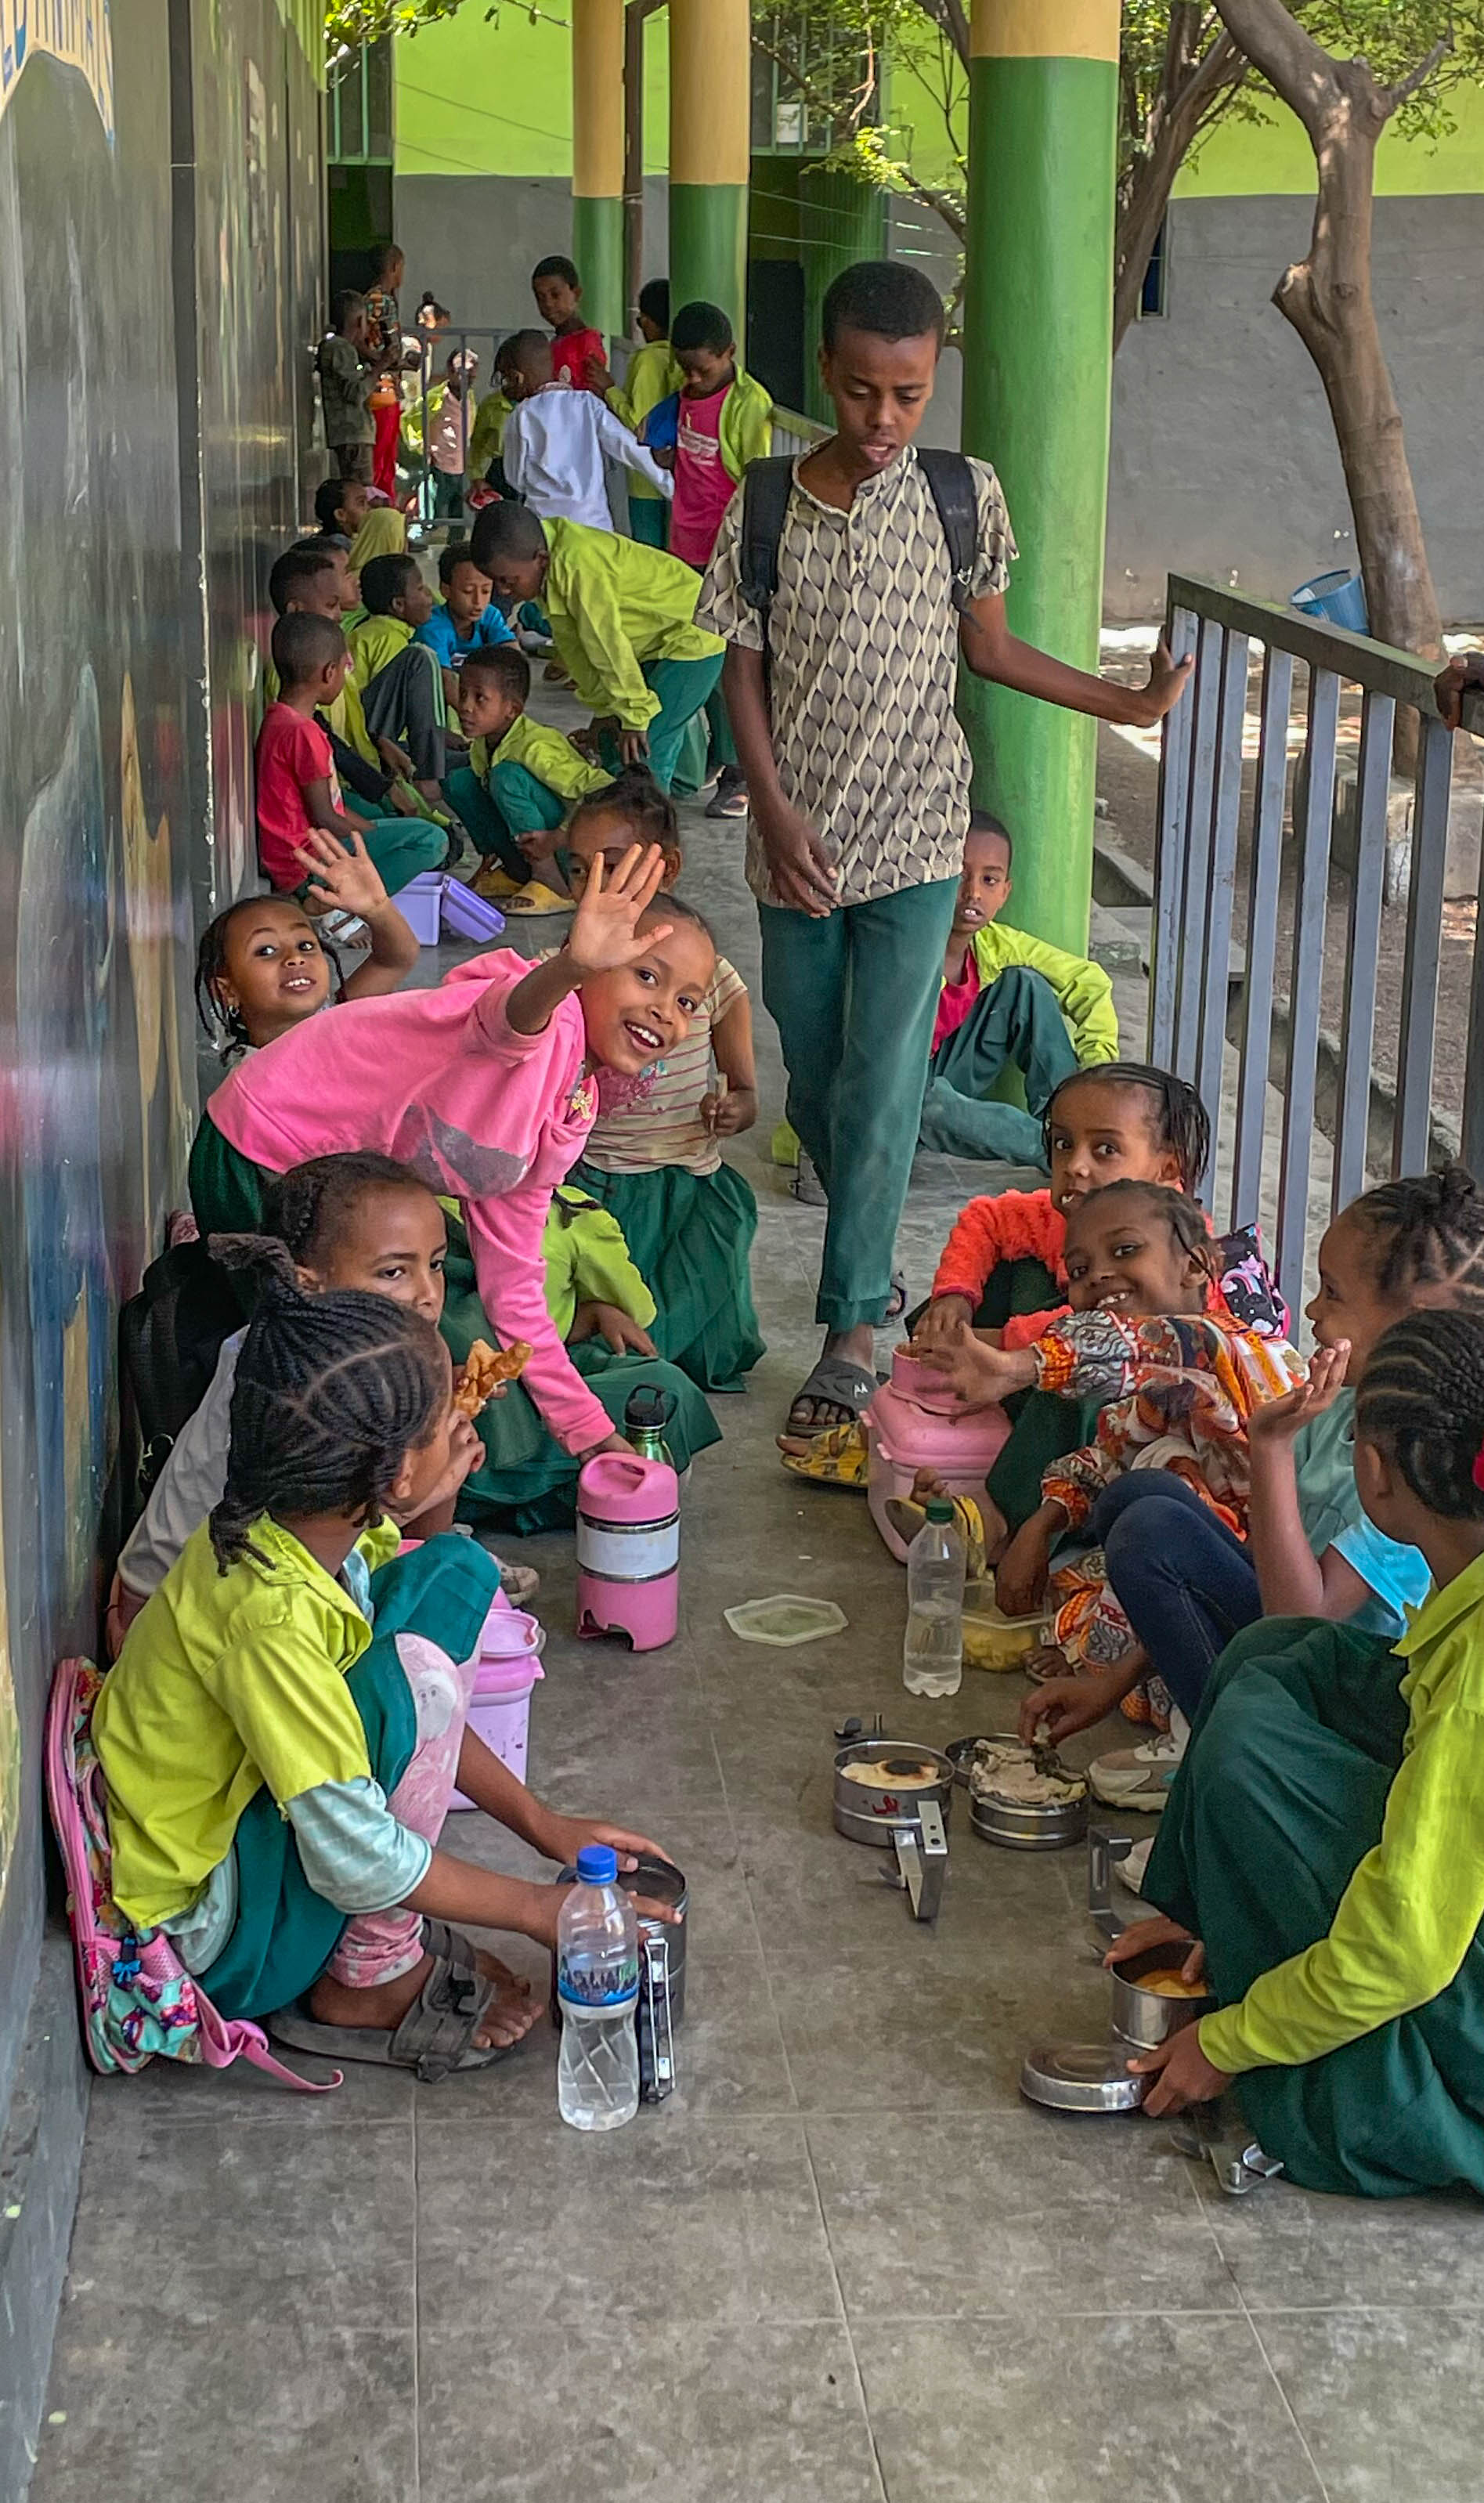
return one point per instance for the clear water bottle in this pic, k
(932, 1650)
(597, 1995)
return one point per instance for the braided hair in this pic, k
(1184, 1216)
(333, 1392)
(225, 1027)
(309, 1206)
(1427, 1232)
(1177, 1116)
(648, 812)
(1421, 1401)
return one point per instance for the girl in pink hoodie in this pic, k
(486, 1089)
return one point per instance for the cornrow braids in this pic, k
(1421, 1401)
(1178, 1118)
(333, 1392)
(308, 1206)
(224, 1027)
(1428, 1231)
(1175, 1208)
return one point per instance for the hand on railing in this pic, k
(1167, 678)
(1465, 671)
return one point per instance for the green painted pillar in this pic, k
(711, 162)
(840, 221)
(1038, 364)
(598, 160)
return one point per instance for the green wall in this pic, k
(473, 98)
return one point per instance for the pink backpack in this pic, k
(139, 2001)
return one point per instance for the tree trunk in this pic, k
(1327, 298)
(1190, 88)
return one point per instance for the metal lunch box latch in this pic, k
(1239, 2168)
(655, 1987)
(1104, 1848)
(923, 1857)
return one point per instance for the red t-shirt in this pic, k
(569, 355)
(703, 488)
(292, 750)
(956, 1000)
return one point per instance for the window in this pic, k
(1154, 296)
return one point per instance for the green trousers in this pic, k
(853, 997)
(1015, 1023)
(682, 688)
(690, 1237)
(404, 848)
(513, 804)
(1281, 1795)
(649, 521)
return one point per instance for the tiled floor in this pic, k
(845, 2263)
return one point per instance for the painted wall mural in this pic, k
(124, 758)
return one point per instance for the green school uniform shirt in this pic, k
(544, 753)
(614, 604)
(587, 1262)
(486, 440)
(1083, 992)
(1408, 1916)
(226, 1683)
(373, 642)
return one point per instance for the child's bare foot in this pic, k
(508, 2018)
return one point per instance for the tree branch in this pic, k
(1393, 97)
(1303, 72)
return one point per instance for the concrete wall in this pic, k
(157, 299)
(1224, 461)
(475, 238)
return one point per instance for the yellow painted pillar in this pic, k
(710, 155)
(1037, 372)
(597, 158)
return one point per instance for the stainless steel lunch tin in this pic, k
(1048, 1825)
(661, 1972)
(1145, 2019)
(863, 1814)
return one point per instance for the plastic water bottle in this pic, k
(597, 1995)
(932, 1650)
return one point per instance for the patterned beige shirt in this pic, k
(863, 644)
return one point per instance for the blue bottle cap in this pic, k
(597, 1865)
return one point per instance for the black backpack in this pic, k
(170, 1336)
(767, 486)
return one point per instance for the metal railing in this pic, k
(793, 433)
(1205, 994)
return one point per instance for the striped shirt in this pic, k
(658, 1121)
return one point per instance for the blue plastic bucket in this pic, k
(1339, 597)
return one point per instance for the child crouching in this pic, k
(653, 1157)
(278, 1772)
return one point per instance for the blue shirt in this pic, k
(438, 634)
(1330, 1508)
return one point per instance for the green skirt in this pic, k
(528, 1482)
(690, 1238)
(1282, 1793)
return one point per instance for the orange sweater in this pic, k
(1016, 1226)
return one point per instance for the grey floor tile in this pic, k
(178, 2096)
(1044, 2410)
(899, 2032)
(1292, 2250)
(246, 2410)
(694, 2221)
(645, 2412)
(1017, 2215)
(812, 1883)
(1391, 2403)
(244, 2221)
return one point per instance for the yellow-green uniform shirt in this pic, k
(226, 1683)
(373, 642)
(652, 376)
(587, 1261)
(544, 753)
(1083, 992)
(1408, 1916)
(614, 604)
(486, 440)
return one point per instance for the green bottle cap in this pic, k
(938, 1510)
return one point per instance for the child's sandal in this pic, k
(907, 1517)
(840, 1458)
(436, 2036)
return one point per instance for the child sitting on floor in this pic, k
(1321, 1856)
(654, 1154)
(340, 507)
(465, 619)
(285, 1725)
(559, 443)
(401, 682)
(485, 1085)
(1182, 1579)
(521, 777)
(1007, 1001)
(1175, 1393)
(349, 1220)
(263, 966)
(314, 577)
(297, 787)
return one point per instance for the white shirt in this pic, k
(555, 448)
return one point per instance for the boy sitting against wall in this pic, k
(522, 778)
(297, 785)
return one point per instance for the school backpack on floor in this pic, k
(767, 486)
(139, 2001)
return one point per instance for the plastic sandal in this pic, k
(907, 1517)
(537, 898)
(838, 1457)
(436, 2036)
(836, 1383)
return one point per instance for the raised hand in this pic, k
(343, 866)
(1278, 1421)
(604, 935)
